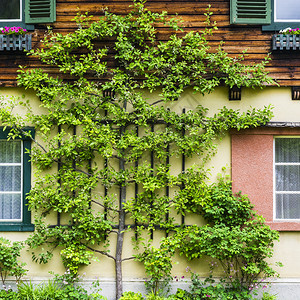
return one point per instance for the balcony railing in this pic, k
(15, 42)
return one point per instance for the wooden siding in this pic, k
(285, 66)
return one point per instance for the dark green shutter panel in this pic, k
(40, 11)
(250, 11)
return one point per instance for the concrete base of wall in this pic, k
(284, 288)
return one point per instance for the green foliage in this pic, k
(158, 266)
(139, 296)
(9, 295)
(268, 296)
(152, 296)
(43, 291)
(9, 263)
(215, 202)
(235, 236)
(96, 128)
(207, 289)
(63, 287)
(132, 296)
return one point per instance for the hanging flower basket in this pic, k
(15, 42)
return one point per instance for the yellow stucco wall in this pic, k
(286, 250)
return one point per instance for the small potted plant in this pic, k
(14, 38)
(287, 39)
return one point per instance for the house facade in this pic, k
(263, 162)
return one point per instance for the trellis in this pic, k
(136, 187)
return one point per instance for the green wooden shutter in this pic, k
(40, 11)
(250, 11)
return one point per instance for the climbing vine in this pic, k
(97, 137)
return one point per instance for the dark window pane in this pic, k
(287, 178)
(288, 206)
(10, 206)
(287, 150)
(10, 151)
(9, 9)
(10, 178)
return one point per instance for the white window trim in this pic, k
(274, 181)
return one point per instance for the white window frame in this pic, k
(274, 181)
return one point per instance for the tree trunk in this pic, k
(120, 237)
(120, 240)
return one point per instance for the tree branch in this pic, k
(34, 140)
(102, 252)
(128, 258)
(156, 102)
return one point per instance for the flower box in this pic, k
(15, 42)
(286, 42)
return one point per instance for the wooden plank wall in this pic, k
(285, 66)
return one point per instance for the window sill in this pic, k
(284, 225)
(15, 42)
(16, 227)
(286, 42)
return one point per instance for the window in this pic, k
(287, 178)
(265, 165)
(11, 11)
(273, 14)
(25, 12)
(15, 180)
(285, 13)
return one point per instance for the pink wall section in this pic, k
(252, 170)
